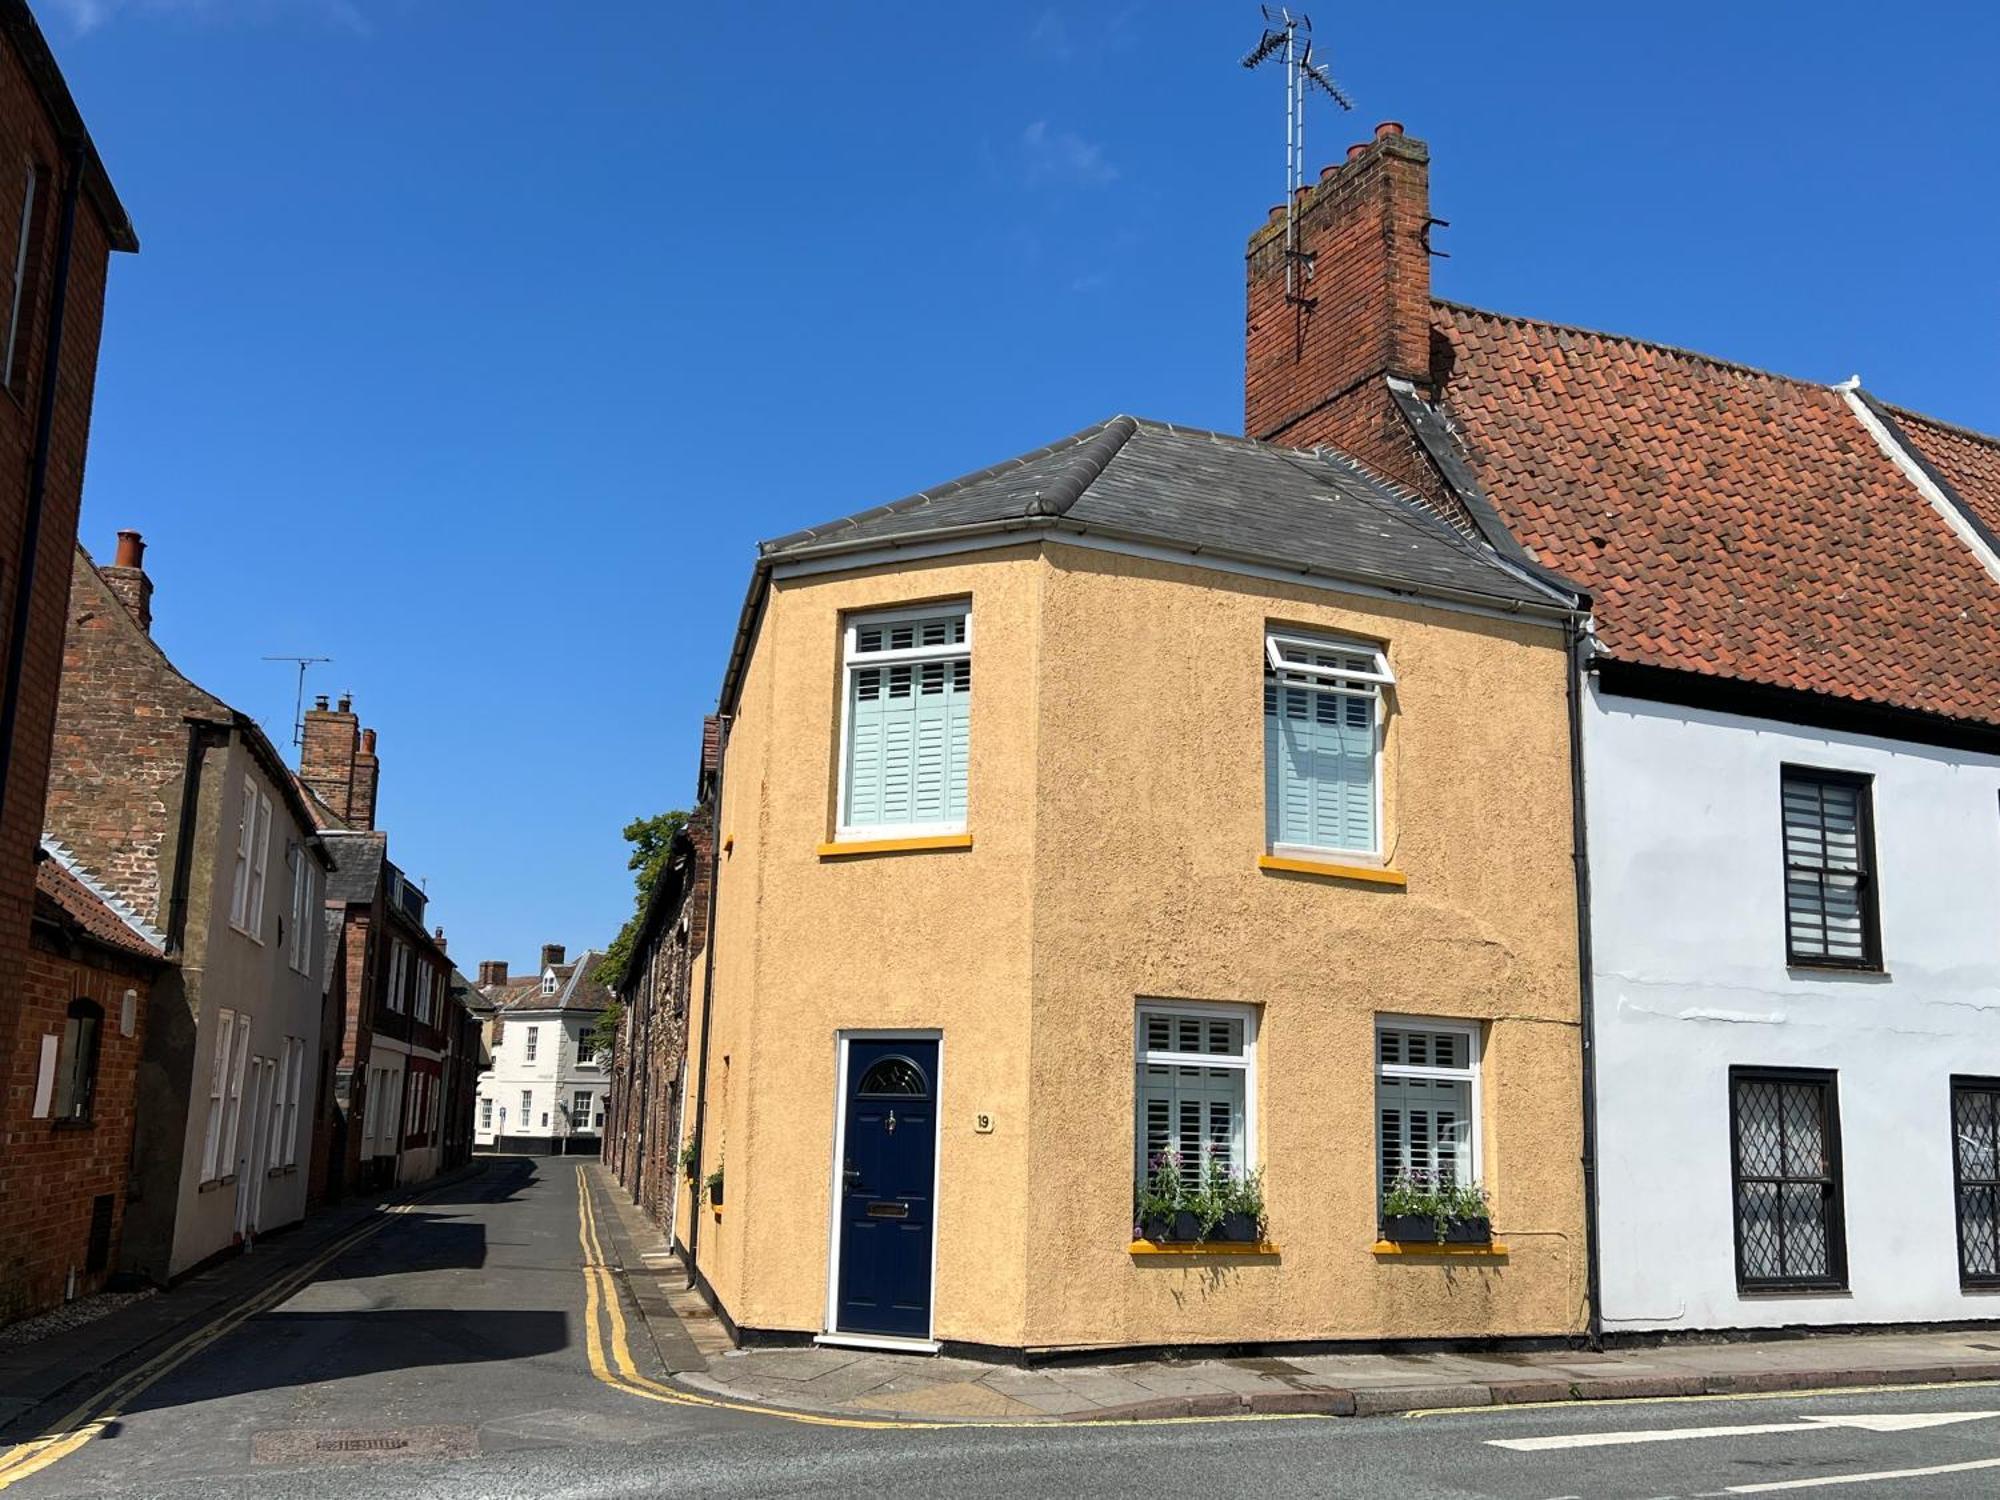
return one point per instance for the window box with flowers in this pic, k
(1218, 1206)
(1425, 1208)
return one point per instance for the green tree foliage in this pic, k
(652, 839)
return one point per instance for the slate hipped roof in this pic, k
(576, 988)
(1728, 521)
(1316, 512)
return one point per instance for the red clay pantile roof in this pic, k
(1725, 520)
(1969, 461)
(65, 891)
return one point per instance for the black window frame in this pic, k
(76, 1063)
(1870, 960)
(1969, 1280)
(1834, 1181)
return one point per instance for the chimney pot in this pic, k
(367, 742)
(1355, 151)
(1326, 172)
(131, 550)
(126, 578)
(1388, 128)
(347, 703)
(319, 703)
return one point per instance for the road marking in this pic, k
(1810, 1484)
(97, 1411)
(1868, 1422)
(601, 1290)
(1573, 1403)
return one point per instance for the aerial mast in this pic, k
(1288, 39)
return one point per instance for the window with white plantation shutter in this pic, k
(1194, 1090)
(1322, 737)
(1427, 1102)
(1829, 869)
(908, 721)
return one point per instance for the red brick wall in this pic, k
(49, 1173)
(114, 783)
(26, 135)
(1315, 368)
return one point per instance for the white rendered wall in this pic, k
(1688, 932)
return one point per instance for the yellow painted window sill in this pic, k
(1492, 1251)
(1203, 1247)
(848, 848)
(1370, 874)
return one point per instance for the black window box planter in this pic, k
(1418, 1229)
(715, 1195)
(1184, 1228)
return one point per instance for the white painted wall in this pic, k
(554, 1077)
(1690, 973)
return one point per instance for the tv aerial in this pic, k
(1287, 40)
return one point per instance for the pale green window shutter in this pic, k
(1319, 768)
(908, 729)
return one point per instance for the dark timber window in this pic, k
(1785, 1134)
(76, 1078)
(1975, 1161)
(1829, 870)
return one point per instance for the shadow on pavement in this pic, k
(296, 1349)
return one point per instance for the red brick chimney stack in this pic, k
(492, 971)
(552, 954)
(1314, 368)
(367, 777)
(126, 577)
(326, 761)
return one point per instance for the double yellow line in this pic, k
(106, 1405)
(600, 1293)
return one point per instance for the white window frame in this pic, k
(302, 910)
(486, 1112)
(550, 983)
(586, 1050)
(1143, 1058)
(1475, 1052)
(246, 833)
(221, 1056)
(399, 974)
(530, 1042)
(527, 1110)
(420, 989)
(853, 660)
(30, 191)
(1346, 683)
(260, 858)
(232, 1125)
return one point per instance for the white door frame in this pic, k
(837, 1184)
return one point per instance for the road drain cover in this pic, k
(350, 1445)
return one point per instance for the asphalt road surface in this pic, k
(472, 1333)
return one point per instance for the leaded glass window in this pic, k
(1789, 1229)
(1975, 1125)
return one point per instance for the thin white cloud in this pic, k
(1062, 156)
(1049, 35)
(86, 16)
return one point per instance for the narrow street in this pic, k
(474, 1345)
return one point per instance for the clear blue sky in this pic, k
(474, 343)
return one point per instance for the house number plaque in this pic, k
(982, 1123)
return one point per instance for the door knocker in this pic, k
(890, 1123)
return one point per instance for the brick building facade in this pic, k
(395, 1091)
(186, 812)
(649, 1069)
(83, 997)
(60, 220)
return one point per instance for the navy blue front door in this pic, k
(888, 1171)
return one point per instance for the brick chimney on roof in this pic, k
(126, 577)
(1316, 364)
(552, 954)
(367, 777)
(339, 763)
(492, 971)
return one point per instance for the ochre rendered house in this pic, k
(1157, 795)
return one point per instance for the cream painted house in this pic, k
(1159, 796)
